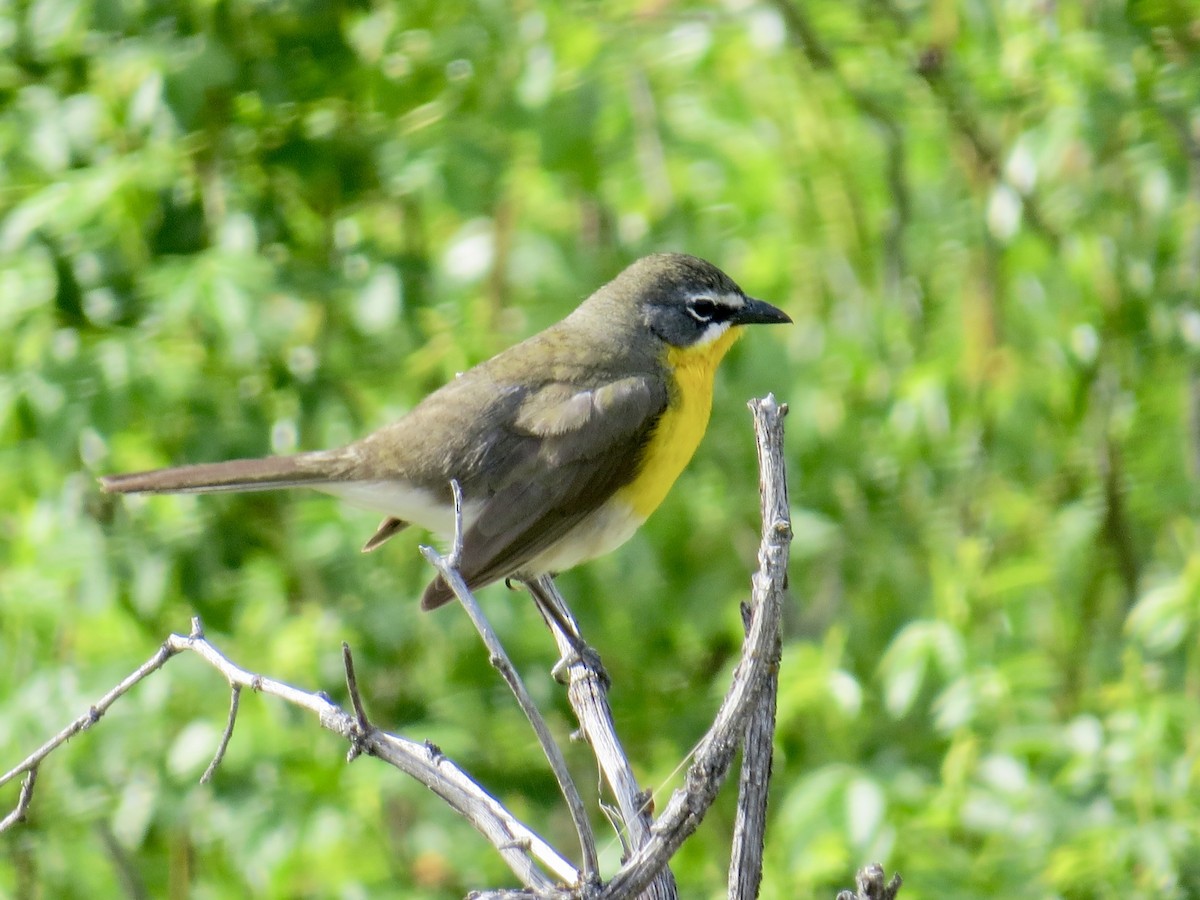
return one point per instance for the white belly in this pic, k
(404, 502)
(603, 531)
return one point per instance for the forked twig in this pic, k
(587, 691)
(447, 568)
(525, 852)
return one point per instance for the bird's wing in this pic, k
(582, 446)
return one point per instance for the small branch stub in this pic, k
(871, 885)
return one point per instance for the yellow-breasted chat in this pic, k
(562, 444)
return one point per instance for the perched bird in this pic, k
(562, 445)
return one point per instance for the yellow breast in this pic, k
(681, 427)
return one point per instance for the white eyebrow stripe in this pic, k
(733, 301)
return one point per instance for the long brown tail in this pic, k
(269, 473)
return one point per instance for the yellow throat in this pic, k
(682, 425)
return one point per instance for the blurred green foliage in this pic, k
(238, 228)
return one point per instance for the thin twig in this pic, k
(235, 694)
(587, 691)
(93, 714)
(447, 568)
(360, 712)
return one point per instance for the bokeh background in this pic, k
(235, 228)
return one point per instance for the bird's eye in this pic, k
(702, 309)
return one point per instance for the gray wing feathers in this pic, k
(588, 445)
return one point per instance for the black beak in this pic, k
(759, 312)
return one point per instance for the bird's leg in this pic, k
(559, 619)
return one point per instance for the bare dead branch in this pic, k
(754, 782)
(587, 691)
(521, 848)
(426, 763)
(750, 826)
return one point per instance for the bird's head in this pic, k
(686, 302)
